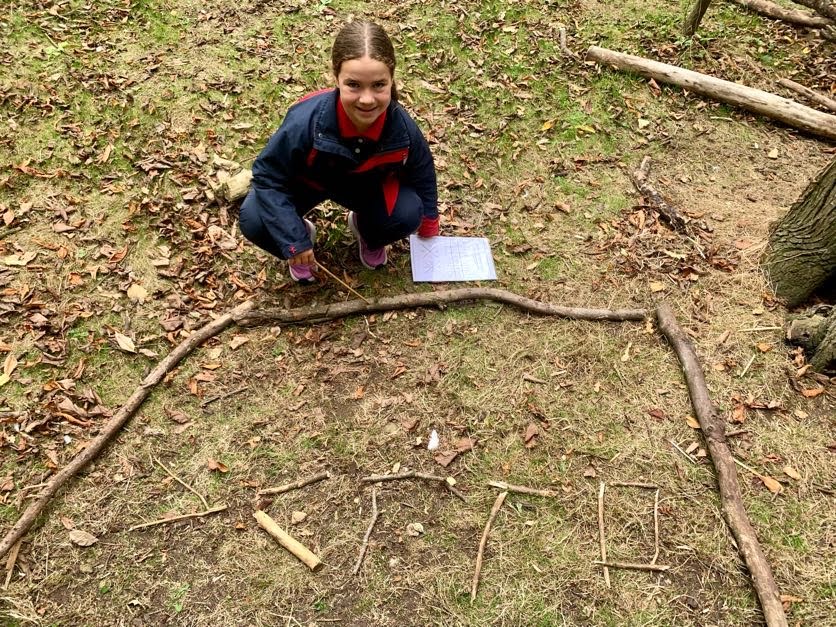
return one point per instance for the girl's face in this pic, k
(365, 90)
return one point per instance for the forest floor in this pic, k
(117, 120)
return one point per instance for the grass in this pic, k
(515, 129)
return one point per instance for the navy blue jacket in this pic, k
(307, 153)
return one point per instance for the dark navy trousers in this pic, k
(377, 227)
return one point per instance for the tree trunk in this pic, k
(801, 254)
(822, 7)
(815, 332)
(692, 22)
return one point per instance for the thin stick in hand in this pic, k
(365, 545)
(601, 535)
(341, 282)
(481, 554)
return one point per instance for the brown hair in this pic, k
(359, 39)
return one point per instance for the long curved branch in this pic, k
(333, 311)
(245, 315)
(115, 424)
(713, 429)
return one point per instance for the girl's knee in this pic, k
(249, 221)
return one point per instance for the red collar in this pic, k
(348, 130)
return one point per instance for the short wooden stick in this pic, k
(299, 550)
(296, 484)
(631, 566)
(521, 489)
(633, 484)
(10, 563)
(655, 528)
(163, 521)
(497, 504)
(365, 546)
(601, 534)
(447, 481)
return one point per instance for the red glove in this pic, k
(428, 228)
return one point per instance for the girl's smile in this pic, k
(365, 90)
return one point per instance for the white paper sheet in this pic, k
(437, 259)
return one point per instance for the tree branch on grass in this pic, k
(497, 505)
(760, 102)
(791, 16)
(713, 428)
(654, 198)
(115, 424)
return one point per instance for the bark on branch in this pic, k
(755, 100)
(799, 18)
(713, 429)
(822, 7)
(333, 311)
(654, 198)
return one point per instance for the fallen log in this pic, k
(713, 428)
(237, 186)
(822, 7)
(808, 93)
(760, 102)
(792, 16)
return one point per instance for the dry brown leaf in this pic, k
(465, 444)
(137, 293)
(9, 364)
(657, 286)
(771, 484)
(692, 422)
(792, 473)
(812, 393)
(444, 458)
(82, 538)
(531, 433)
(124, 342)
(590, 471)
(7, 483)
(764, 347)
(238, 340)
(739, 414)
(216, 466)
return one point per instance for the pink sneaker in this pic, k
(303, 272)
(370, 258)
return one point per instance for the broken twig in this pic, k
(602, 541)
(497, 504)
(449, 482)
(220, 397)
(163, 521)
(655, 528)
(10, 563)
(521, 489)
(655, 199)
(633, 484)
(365, 546)
(296, 484)
(115, 424)
(631, 566)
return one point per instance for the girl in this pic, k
(354, 145)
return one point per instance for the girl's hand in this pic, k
(305, 257)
